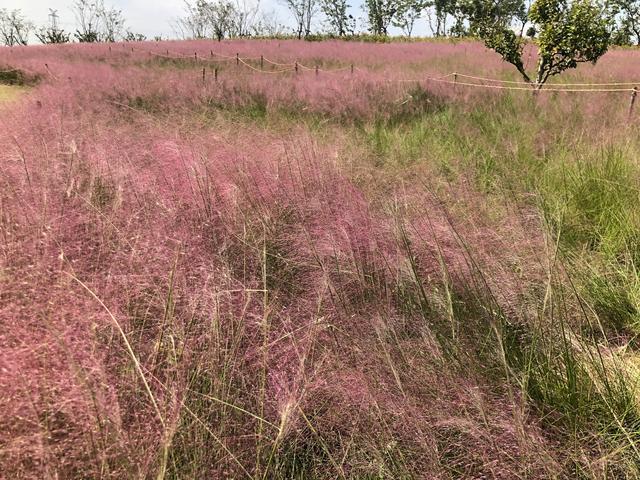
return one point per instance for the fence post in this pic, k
(634, 94)
(296, 66)
(316, 70)
(203, 74)
(237, 60)
(352, 69)
(215, 74)
(195, 56)
(261, 62)
(211, 53)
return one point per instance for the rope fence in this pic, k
(492, 83)
(455, 79)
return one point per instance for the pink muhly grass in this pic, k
(231, 297)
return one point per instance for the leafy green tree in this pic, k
(409, 11)
(568, 32)
(338, 20)
(438, 12)
(380, 13)
(222, 16)
(626, 15)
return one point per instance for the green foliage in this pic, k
(380, 13)
(11, 76)
(626, 17)
(568, 32)
(409, 11)
(134, 37)
(50, 35)
(338, 20)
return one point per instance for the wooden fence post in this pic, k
(215, 74)
(316, 70)
(634, 94)
(296, 66)
(203, 74)
(352, 69)
(237, 59)
(261, 62)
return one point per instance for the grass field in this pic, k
(214, 268)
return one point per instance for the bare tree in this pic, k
(303, 12)
(14, 27)
(246, 13)
(87, 15)
(52, 33)
(268, 25)
(111, 24)
(197, 21)
(97, 23)
(218, 19)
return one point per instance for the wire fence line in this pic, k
(456, 79)
(486, 82)
(520, 82)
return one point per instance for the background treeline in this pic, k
(317, 19)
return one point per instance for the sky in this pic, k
(151, 17)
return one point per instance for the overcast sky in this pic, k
(151, 17)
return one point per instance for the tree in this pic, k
(217, 19)
(130, 36)
(303, 12)
(14, 27)
(52, 34)
(568, 32)
(626, 13)
(97, 23)
(88, 19)
(437, 13)
(268, 26)
(222, 18)
(408, 12)
(111, 23)
(338, 20)
(380, 13)
(49, 35)
(244, 13)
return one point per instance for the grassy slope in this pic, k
(501, 343)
